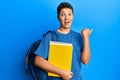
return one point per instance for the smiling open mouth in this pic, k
(67, 22)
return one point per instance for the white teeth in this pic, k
(67, 22)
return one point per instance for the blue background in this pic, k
(24, 21)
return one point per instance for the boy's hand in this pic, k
(66, 75)
(86, 32)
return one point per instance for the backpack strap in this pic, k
(54, 35)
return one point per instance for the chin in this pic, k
(67, 27)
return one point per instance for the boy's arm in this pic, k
(45, 65)
(85, 55)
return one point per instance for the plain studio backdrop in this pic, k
(24, 21)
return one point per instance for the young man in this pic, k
(81, 50)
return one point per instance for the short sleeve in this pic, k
(43, 48)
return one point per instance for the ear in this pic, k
(58, 18)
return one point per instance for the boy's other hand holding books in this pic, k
(66, 75)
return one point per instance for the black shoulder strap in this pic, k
(54, 35)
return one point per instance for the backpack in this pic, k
(34, 71)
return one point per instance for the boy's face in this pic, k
(65, 18)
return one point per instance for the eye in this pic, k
(62, 14)
(69, 14)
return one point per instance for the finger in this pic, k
(71, 73)
(91, 30)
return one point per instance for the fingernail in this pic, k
(91, 29)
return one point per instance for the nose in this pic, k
(66, 17)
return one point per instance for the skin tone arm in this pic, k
(85, 55)
(45, 65)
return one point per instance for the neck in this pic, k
(64, 31)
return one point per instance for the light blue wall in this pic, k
(24, 21)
